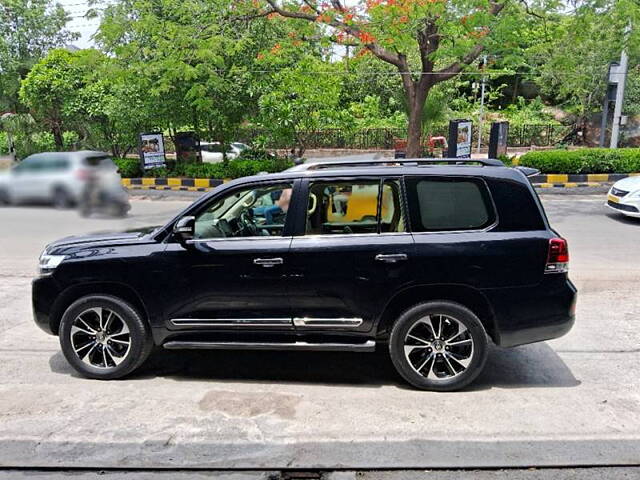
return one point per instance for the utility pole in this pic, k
(481, 115)
(618, 75)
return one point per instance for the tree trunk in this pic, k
(416, 99)
(57, 137)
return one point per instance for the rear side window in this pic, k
(517, 207)
(448, 204)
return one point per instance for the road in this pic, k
(571, 401)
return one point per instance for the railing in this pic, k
(383, 138)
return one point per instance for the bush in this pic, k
(585, 160)
(240, 167)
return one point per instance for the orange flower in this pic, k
(276, 48)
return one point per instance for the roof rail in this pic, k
(345, 162)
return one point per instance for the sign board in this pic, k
(188, 147)
(460, 139)
(152, 150)
(616, 73)
(498, 139)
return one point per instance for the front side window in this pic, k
(251, 212)
(354, 207)
(448, 204)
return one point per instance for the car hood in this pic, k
(629, 184)
(70, 244)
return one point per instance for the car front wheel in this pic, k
(439, 346)
(104, 337)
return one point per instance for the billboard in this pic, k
(498, 139)
(460, 132)
(188, 147)
(152, 150)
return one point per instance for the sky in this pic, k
(86, 28)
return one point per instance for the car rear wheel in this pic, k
(104, 337)
(5, 199)
(61, 198)
(439, 346)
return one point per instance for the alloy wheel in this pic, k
(439, 347)
(100, 338)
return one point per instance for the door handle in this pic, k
(391, 257)
(268, 262)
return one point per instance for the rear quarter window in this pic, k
(449, 204)
(517, 208)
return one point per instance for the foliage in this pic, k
(240, 167)
(28, 28)
(594, 160)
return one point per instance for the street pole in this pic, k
(619, 76)
(484, 79)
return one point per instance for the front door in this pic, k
(353, 254)
(234, 272)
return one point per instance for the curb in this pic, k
(538, 181)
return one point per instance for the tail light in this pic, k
(82, 174)
(558, 256)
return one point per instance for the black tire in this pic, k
(447, 313)
(5, 199)
(140, 339)
(61, 199)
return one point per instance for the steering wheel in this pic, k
(247, 225)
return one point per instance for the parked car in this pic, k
(624, 197)
(428, 260)
(58, 178)
(212, 151)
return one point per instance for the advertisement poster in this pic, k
(464, 140)
(152, 150)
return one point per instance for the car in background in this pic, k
(212, 152)
(624, 197)
(58, 178)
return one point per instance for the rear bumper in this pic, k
(534, 314)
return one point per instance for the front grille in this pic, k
(617, 192)
(620, 206)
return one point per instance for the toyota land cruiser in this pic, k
(434, 258)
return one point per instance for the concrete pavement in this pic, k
(572, 401)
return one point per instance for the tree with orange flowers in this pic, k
(427, 41)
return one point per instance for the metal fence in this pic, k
(383, 138)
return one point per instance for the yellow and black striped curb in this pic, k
(562, 180)
(175, 184)
(556, 180)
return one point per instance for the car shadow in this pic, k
(528, 366)
(621, 218)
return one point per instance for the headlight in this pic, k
(48, 263)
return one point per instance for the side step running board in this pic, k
(368, 346)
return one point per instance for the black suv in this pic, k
(430, 257)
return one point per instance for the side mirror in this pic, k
(184, 229)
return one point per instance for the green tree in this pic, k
(49, 90)
(299, 104)
(426, 41)
(28, 29)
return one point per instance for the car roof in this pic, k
(390, 168)
(69, 155)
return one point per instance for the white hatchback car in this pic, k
(58, 178)
(624, 196)
(212, 151)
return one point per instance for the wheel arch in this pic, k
(465, 295)
(73, 293)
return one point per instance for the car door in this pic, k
(351, 254)
(234, 273)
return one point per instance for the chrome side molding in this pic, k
(327, 322)
(232, 322)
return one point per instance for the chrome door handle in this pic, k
(391, 257)
(268, 262)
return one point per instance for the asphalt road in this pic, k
(572, 401)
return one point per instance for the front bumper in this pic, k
(44, 293)
(627, 205)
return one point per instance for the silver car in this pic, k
(59, 178)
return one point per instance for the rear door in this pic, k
(460, 238)
(350, 254)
